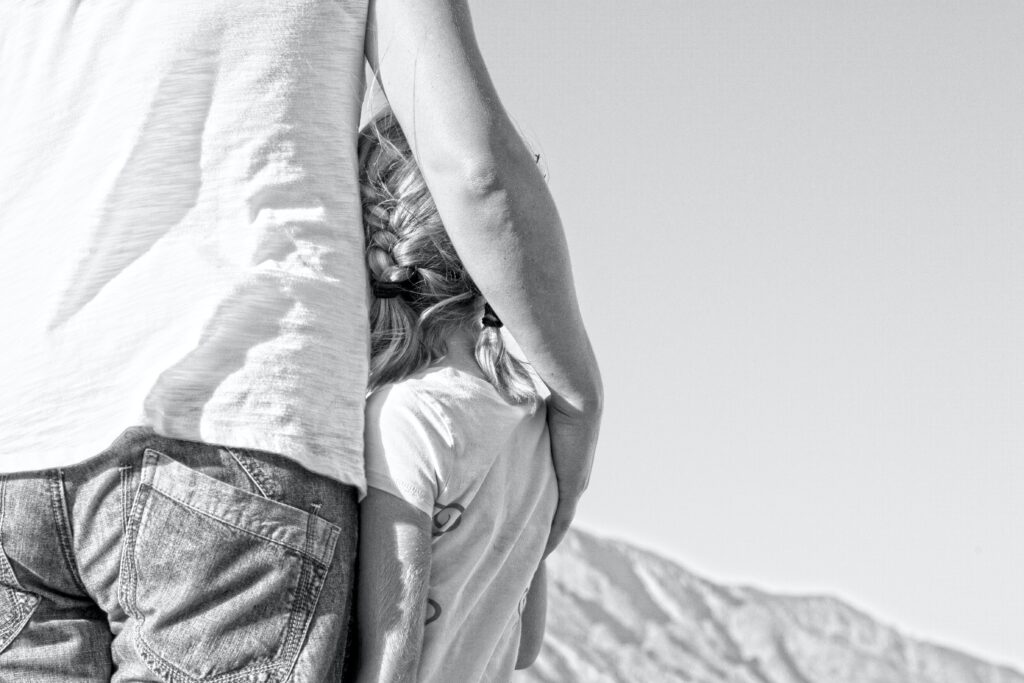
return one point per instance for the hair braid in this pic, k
(406, 243)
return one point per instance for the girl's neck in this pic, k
(461, 352)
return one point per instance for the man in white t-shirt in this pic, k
(183, 369)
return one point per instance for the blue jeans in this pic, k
(173, 561)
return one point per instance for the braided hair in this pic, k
(421, 292)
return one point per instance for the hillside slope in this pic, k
(619, 614)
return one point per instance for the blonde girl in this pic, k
(461, 486)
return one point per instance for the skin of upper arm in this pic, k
(426, 58)
(534, 619)
(394, 574)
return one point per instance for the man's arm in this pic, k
(498, 211)
(394, 574)
(533, 619)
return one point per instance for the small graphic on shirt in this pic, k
(433, 611)
(447, 517)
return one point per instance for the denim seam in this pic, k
(284, 660)
(24, 603)
(302, 551)
(315, 574)
(173, 673)
(263, 483)
(62, 522)
(6, 628)
(129, 572)
(158, 664)
(126, 473)
(303, 610)
(127, 589)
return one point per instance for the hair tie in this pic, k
(387, 290)
(491, 318)
(390, 290)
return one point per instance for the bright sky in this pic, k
(798, 236)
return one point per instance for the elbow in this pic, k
(481, 173)
(485, 181)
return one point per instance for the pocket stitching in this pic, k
(23, 602)
(259, 478)
(129, 589)
(309, 587)
(173, 674)
(158, 475)
(304, 551)
(307, 599)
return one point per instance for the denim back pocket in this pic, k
(221, 584)
(16, 604)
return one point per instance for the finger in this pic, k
(564, 514)
(558, 532)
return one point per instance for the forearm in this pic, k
(504, 224)
(534, 619)
(394, 567)
(506, 229)
(391, 636)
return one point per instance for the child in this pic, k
(461, 485)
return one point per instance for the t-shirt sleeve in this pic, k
(407, 442)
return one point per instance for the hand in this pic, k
(573, 441)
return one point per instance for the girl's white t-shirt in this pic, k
(446, 442)
(181, 228)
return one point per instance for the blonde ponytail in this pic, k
(507, 373)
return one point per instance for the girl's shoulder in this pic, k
(415, 398)
(441, 385)
(445, 395)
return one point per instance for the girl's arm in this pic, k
(533, 619)
(394, 574)
(498, 212)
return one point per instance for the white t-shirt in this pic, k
(180, 227)
(445, 441)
